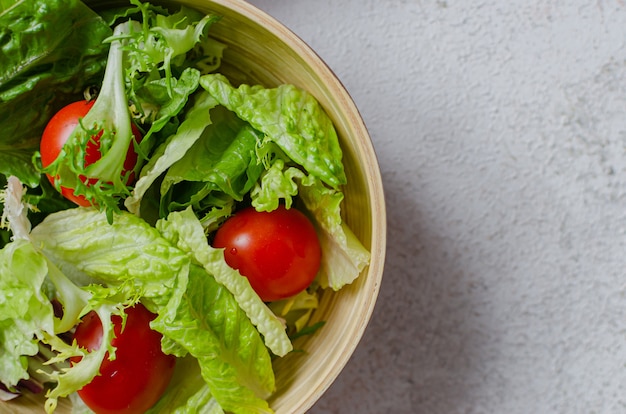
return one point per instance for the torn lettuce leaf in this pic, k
(196, 314)
(343, 255)
(185, 231)
(233, 360)
(191, 128)
(224, 160)
(289, 117)
(127, 253)
(25, 311)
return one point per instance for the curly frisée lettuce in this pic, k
(141, 55)
(108, 121)
(40, 72)
(209, 148)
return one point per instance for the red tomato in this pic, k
(277, 251)
(135, 380)
(59, 129)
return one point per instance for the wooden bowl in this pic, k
(261, 50)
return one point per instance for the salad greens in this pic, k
(291, 118)
(208, 148)
(143, 55)
(111, 116)
(40, 72)
(145, 263)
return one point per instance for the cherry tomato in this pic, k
(135, 380)
(59, 129)
(277, 251)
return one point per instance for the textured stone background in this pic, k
(500, 128)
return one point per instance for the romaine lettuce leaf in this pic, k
(195, 122)
(343, 255)
(233, 359)
(224, 160)
(127, 253)
(290, 117)
(184, 230)
(277, 184)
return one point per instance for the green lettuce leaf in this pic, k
(127, 253)
(19, 162)
(233, 359)
(224, 160)
(187, 392)
(166, 100)
(289, 117)
(185, 231)
(25, 311)
(343, 255)
(5, 4)
(195, 122)
(277, 184)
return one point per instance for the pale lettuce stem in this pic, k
(73, 299)
(111, 106)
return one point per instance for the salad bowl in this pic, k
(261, 50)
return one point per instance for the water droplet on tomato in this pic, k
(233, 251)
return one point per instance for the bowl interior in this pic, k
(261, 50)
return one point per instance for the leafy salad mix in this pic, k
(205, 149)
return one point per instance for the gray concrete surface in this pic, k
(500, 128)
